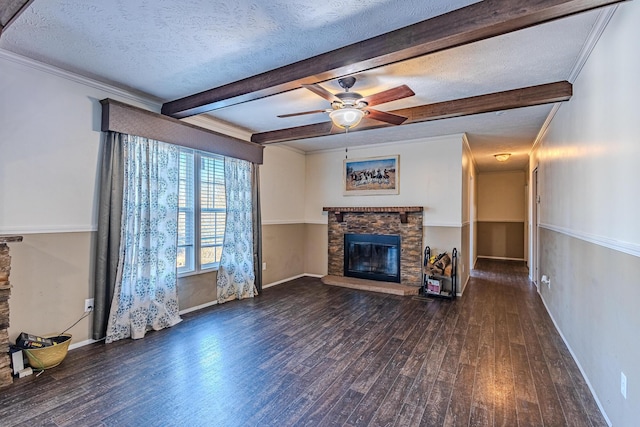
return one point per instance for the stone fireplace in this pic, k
(403, 222)
(6, 377)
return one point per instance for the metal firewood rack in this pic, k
(448, 284)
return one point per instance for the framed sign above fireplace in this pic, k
(371, 176)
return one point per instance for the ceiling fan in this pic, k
(348, 108)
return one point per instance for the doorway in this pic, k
(535, 218)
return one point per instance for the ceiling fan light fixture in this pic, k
(502, 157)
(347, 117)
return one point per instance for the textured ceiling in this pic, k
(167, 50)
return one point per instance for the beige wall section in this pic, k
(595, 305)
(51, 276)
(444, 239)
(464, 264)
(501, 196)
(501, 214)
(316, 249)
(197, 290)
(501, 240)
(283, 249)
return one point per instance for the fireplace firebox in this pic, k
(372, 256)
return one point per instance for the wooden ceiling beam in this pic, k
(469, 24)
(498, 101)
(9, 12)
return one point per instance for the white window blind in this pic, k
(201, 220)
(212, 210)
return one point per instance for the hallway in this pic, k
(533, 379)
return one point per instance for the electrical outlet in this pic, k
(88, 305)
(546, 281)
(264, 265)
(623, 384)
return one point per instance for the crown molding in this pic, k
(154, 103)
(364, 146)
(604, 16)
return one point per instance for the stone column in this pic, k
(6, 377)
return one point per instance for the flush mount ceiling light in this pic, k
(347, 117)
(502, 157)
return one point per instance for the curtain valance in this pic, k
(127, 119)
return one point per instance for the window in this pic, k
(201, 211)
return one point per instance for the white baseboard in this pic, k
(466, 283)
(499, 258)
(82, 343)
(198, 307)
(279, 282)
(584, 375)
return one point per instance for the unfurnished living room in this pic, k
(366, 213)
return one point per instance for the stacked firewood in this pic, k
(439, 265)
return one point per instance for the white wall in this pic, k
(430, 176)
(590, 234)
(593, 145)
(282, 183)
(49, 148)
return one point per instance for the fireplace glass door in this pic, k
(372, 256)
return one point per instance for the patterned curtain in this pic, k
(145, 295)
(236, 278)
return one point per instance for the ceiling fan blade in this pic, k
(382, 116)
(320, 91)
(389, 95)
(282, 116)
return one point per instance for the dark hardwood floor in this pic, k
(304, 353)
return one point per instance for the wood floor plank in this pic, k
(504, 392)
(482, 407)
(387, 411)
(306, 354)
(438, 402)
(459, 408)
(340, 412)
(525, 390)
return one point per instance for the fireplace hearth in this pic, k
(372, 256)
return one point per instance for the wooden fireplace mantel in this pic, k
(5, 238)
(402, 211)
